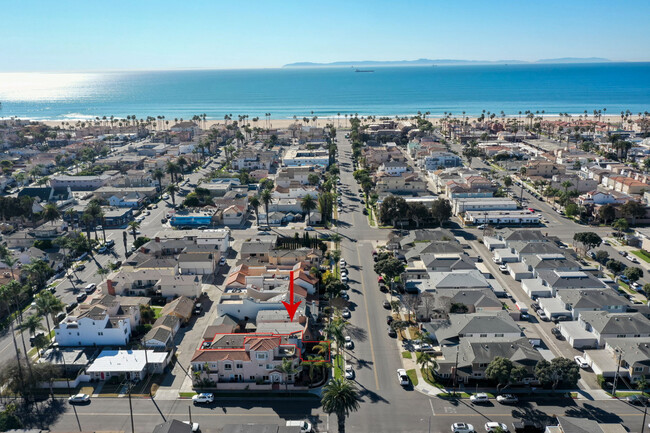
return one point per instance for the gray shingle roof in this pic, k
(616, 323)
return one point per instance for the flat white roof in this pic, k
(125, 360)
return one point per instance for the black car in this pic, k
(392, 333)
(389, 320)
(637, 400)
(386, 305)
(70, 307)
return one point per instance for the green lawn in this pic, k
(407, 355)
(413, 376)
(339, 365)
(157, 310)
(642, 255)
(626, 288)
(452, 395)
(431, 380)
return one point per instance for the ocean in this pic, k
(325, 92)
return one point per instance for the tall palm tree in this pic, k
(336, 331)
(426, 362)
(44, 303)
(9, 295)
(255, 203)
(7, 258)
(133, 226)
(72, 217)
(158, 174)
(31, 323)
(172, 189)
(341, 397)
(287, 368)
(308, 204)
(51, 213)
(267, 198)
(172, 168)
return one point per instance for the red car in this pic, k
(530, 209)
(380, 280)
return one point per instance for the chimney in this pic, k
(110, 288)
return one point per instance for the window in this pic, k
(270, 366)
(239, 365)
(251, 377)
(638, 369)
(100, 333)
(265, 378)
(227, 366)
(260, 356)
(483, 365)
(637, 335)
(483, 335)
(498, 335)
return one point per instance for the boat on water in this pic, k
(363, 70)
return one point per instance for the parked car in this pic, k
(503, 268)
(70, 307)
(194, 425)
(348, 342)
(392, 333)
(204, 397)
(461, 427)
(507, 399)
(81, 297)
(389, 319)
(309, 229)
(481, 397)
(542, 315)
(582, 363)
(343, 263)
(349, 372)
(344, 278)
(90, 288)
(79, 398)
(346, 313)
(637, 400)
(496, 427)
(305, 426)
(344, 272)
(79, 267)
(102, 250)
(557, 333)
(222, 261)
(386, 304)
(402, 377)
(422, 347)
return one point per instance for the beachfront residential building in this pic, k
(303, 157)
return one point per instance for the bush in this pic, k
(9, 421)
(44, 244)
(601, 380)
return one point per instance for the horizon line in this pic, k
(317, 65)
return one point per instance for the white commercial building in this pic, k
(299, 157)
(129, 364)
(460, 205)
(502, 217)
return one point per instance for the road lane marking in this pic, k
(372, 347)
(432, 411)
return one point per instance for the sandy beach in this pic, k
(344, 122)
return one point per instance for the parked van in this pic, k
(521, 307)
(305, 426)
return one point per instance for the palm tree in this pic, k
(133, 226)
(266, 199)
(341, 397)
(255, 203)
(7, 258)
(158, 174)
(51, 213)
(32, 324)
(566, 185)
(336, 331)
(71, 216)
(172, 189)
(44, 305)
(172, 168)
(308, 204)
(287, 369)
(426, 362)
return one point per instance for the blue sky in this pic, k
(62, 35)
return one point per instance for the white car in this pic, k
(344, 278)
(343, 263)
(507, 399)
(349, 372)
(422, 347)
(305, 426)
(346, 313)
(495, 426)
(90, 287)
(79, 398)
(496, 260)
(481, 227)
(204, 397)
(402, 377)
(461, 427)
(348, 342)
(309, 229)
(481, 397)
(165, 196)
(344, 272)
(222, 261)
(194, 425)
(503, 268)
(582, 363)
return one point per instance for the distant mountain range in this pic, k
(443, 62)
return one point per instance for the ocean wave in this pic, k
(78, 116)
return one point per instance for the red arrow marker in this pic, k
(291, 307)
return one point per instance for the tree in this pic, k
(341, 397)
(418, 213)
(507, 181)
(313, 179)
(158, 174)
(266, 198)
(287, 368)
(589, 240)
(607, 213)
(504, 372)
(46, 304)
(614, 266)
(621, 225)
(441, 211)
(392, 209)
(389, 268)
(602, 256)
(51, 213)
(426, 363)
(134, 226)
(633, 274)
(559, 371)
(571, 210)
(308, 204)
(641, 383)
(172, 189)
(634, 210)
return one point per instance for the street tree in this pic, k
(341, 397)
(621, 225)
(559, 371)
(633, 274)
(614, 266)
(607, 213)
(588, 240)
(441, 211)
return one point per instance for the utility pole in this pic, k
(645, 412)
(456, 370)
(131, 410)
(618, 368)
